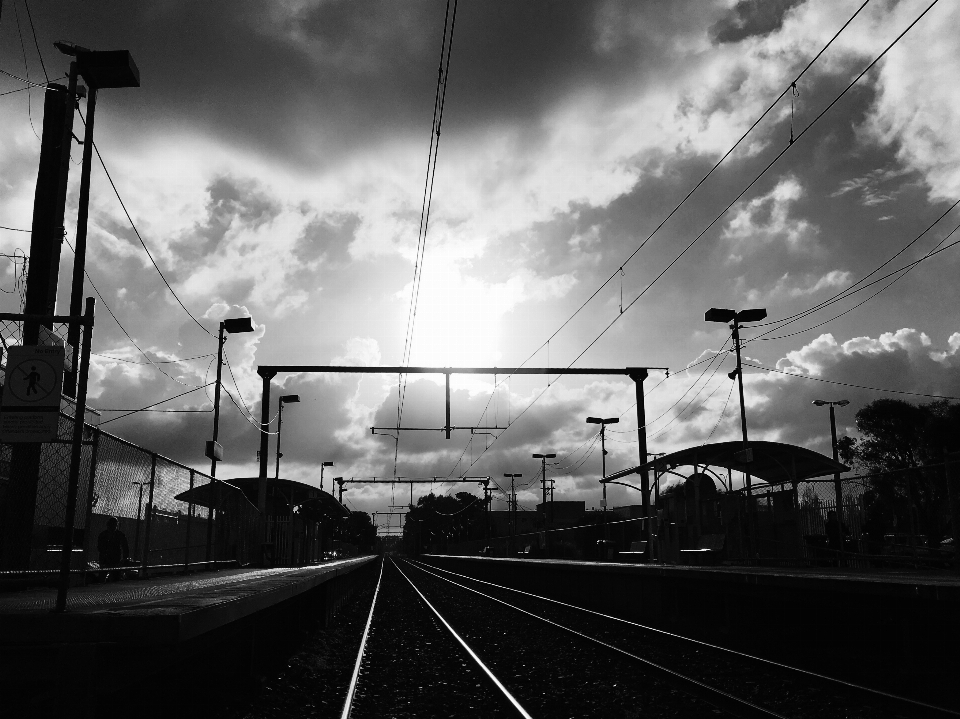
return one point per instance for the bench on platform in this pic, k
(709, 550)
(636, 553)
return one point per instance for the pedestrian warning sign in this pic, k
(32, 389)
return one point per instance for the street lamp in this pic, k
(322, 465)
(737, 318)
(99, 69)
(543, 470)
(513, 505)
(136, 541)
(837, 489)
(603, 460)
(286, 399)
(232, 326)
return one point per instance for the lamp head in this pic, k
(754, 315)
(289, 398)
(843, 403)
(238, 324)
(715, 314)
(594, 420)
(326, 464)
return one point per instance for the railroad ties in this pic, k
(438, 643)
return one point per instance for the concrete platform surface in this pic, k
(939, 584)
(161, 610)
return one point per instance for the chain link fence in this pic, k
(117, 479)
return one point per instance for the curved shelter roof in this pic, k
(773, 462)
(297, 493)
(292, 491)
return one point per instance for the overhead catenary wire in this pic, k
(788, 88)
(763, 172)
(154, 404)
(144, 244)
(35, 42)
(446, 47)
(733, 202)
(848, 384)
(850, 291)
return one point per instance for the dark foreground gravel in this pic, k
(314, 681)
(787, 693)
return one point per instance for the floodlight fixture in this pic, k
(238, 325)
(288, 398)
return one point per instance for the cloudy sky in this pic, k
(274, 162)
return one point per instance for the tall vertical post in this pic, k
(80, 241)
(513, 523)
(41, 297)
(279, 427)
(543, 479)
(186, 551)
(751, 514)
(150, 512)
(447, 426)
(73, 482)
(264, 440)
(837, 488)
(953, 495)
(91, 487)
(639, 375)
(216, 399)
(603, 475)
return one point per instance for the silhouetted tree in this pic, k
(358, 529)
(897, 435)
(438, 520)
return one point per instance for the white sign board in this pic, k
(32, 389)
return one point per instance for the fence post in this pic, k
(911, 525)
(186, 551)
(150, 512)
(90, 492)
(210, 519)
(953, 492)
(75, 456)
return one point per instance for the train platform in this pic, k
(158, 610)
(942, 584)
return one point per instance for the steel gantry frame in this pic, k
(637, 374)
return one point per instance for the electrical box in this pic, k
(214, 451)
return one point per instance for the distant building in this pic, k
(563, 513)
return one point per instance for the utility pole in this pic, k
(512, 504)
(41, 297)
(736, 317)
(603, 453)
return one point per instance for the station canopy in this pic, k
(281, 493)
(772, 462)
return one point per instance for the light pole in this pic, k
(737, 318)
(603, 463)
(231, 326)
(286, 399)
(322, 465)
(136, 541)
(513, 516)
(838, 490)
(99, 69)
(339, 481)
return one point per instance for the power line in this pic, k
(446, 47)
(170, 361)
(13, 229)
(856, 287)
(847, 384)
(757, 178)
(37, 44)
(123, 329)
(689, 194)
(143, 409)
(26, 70)
(144, 244)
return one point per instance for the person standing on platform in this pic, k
(836, 532)
(113, 548)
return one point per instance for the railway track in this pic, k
(438, 643)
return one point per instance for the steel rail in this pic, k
(717, 697)
(473, 655)
(743, 655)
(352, 689)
